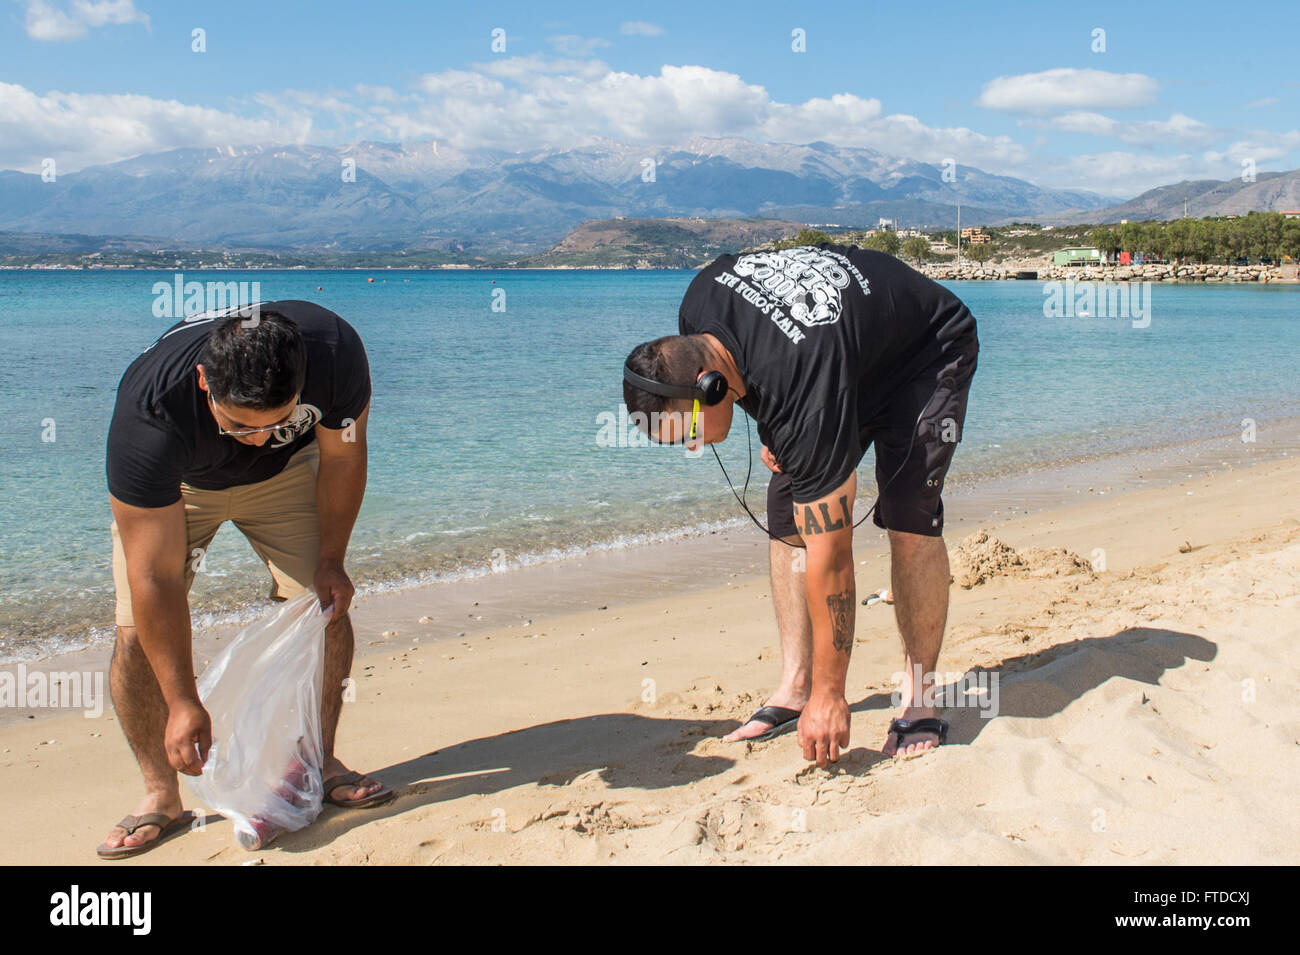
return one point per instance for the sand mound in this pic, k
(980, 557)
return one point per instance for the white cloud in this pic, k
(521, 103)
(1178, 129)
(641, 28)
(78, 130)
(99, 12)
(1062, 89)
(531, 102)
(51, 24)
(1126, 173)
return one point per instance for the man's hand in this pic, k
(769, 460)
(824, 727)
(333, 586)
(188, 737)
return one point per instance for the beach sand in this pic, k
(1147, 714)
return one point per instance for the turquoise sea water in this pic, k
(486, 435)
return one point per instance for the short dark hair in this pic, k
(260, 367)
(674, 360)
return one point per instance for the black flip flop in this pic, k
(781, 720)
(929, 724)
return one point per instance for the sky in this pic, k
(1111, 97)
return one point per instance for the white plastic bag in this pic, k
(263, 692)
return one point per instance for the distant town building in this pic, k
(887, 225)
(975, 236)
(1291, 213)
(1077, 257)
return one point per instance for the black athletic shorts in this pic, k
(910, 483)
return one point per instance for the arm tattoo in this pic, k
(841, 608)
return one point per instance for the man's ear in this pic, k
(203, 378)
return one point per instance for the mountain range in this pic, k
(480, 202)
(426, 195)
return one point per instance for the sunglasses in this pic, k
(245, 432)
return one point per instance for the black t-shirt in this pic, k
(163, 431)
(822, 335)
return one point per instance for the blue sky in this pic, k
(1185, 90)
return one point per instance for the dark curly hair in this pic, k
(260, 367)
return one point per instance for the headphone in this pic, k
(710, 389)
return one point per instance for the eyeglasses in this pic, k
(244, 432)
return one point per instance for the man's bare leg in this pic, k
(339, 644)
(920, 577)
(142, 714)
(790, 601)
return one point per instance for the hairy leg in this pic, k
(142, 714)
(920, 576)
(339, 646)
(789, 600)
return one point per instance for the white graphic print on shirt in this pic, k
(802, 285)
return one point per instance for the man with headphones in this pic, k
(829, 349)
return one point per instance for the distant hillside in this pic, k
(425, 196)
(1270, 192)
(657, 243)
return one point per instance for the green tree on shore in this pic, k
(805, 236)
(917, 249)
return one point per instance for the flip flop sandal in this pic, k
(353, 779)
(930, 724)
(781, 720)
(168, 827)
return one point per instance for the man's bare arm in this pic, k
(826, 526)
(154, 542)
(340, 488)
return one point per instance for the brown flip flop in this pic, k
(352, 779)
(168, 827)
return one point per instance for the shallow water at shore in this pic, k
(487, 451)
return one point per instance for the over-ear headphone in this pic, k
(710, 389)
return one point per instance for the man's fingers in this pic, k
(183, 760)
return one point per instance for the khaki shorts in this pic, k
(278, 516)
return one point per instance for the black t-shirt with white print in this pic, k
(821, 336)
(163, 431)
